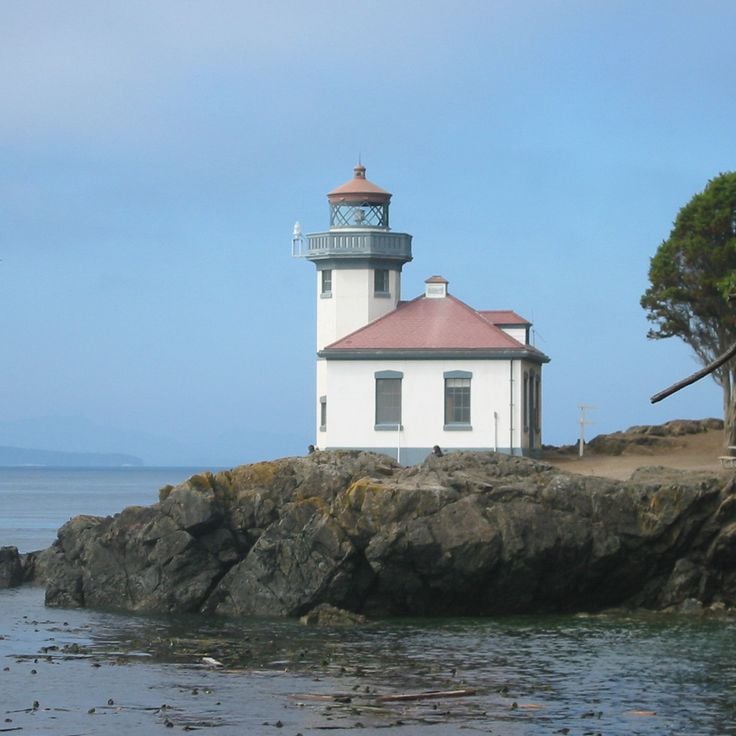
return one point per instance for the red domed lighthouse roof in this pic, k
(359, 189)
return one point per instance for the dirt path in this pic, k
(692, 452)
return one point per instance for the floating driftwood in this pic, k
(391, 698)
(427, 695)
(322, 697)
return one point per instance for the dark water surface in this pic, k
(86, 672)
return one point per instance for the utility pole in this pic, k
(583, 421)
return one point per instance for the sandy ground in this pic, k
(692, 452)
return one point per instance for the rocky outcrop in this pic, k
(463, 534)
(11, 567)
(651, 438)
(326, 615)
(643, 439)
(16, 568)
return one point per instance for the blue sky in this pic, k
(155, 155)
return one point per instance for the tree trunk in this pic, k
(729, 409)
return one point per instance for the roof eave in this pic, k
(532, 355)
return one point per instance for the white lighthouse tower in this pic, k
(359, 261)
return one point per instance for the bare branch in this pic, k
(715, 365)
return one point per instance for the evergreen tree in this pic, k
(692, 292)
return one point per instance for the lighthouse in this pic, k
(401, 377)
(359, 259)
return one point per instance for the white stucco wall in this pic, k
(320, 434)
(353, 303)
(350, 390)
(518, 333)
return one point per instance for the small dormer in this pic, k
(435, 287)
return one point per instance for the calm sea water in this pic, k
(90, 672)
(35, 502)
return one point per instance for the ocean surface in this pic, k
(36, 501)
(99, 672)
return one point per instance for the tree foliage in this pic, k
(692, 292)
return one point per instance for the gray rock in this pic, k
(691, 606)
(463, 534)
(138, 560)
(35, 565)
(326, 615)
(11, 567)
(684, 583)
(305, 559)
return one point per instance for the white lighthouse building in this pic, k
(401, 377)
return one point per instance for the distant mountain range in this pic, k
(23, 456)
(225, 446)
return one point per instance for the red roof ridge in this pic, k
(476, 313)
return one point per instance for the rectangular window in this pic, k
(326, 285)
(380, 281)
(457, 401)
(388, 402)
(322, 413)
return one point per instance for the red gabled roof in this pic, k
(429, 324)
